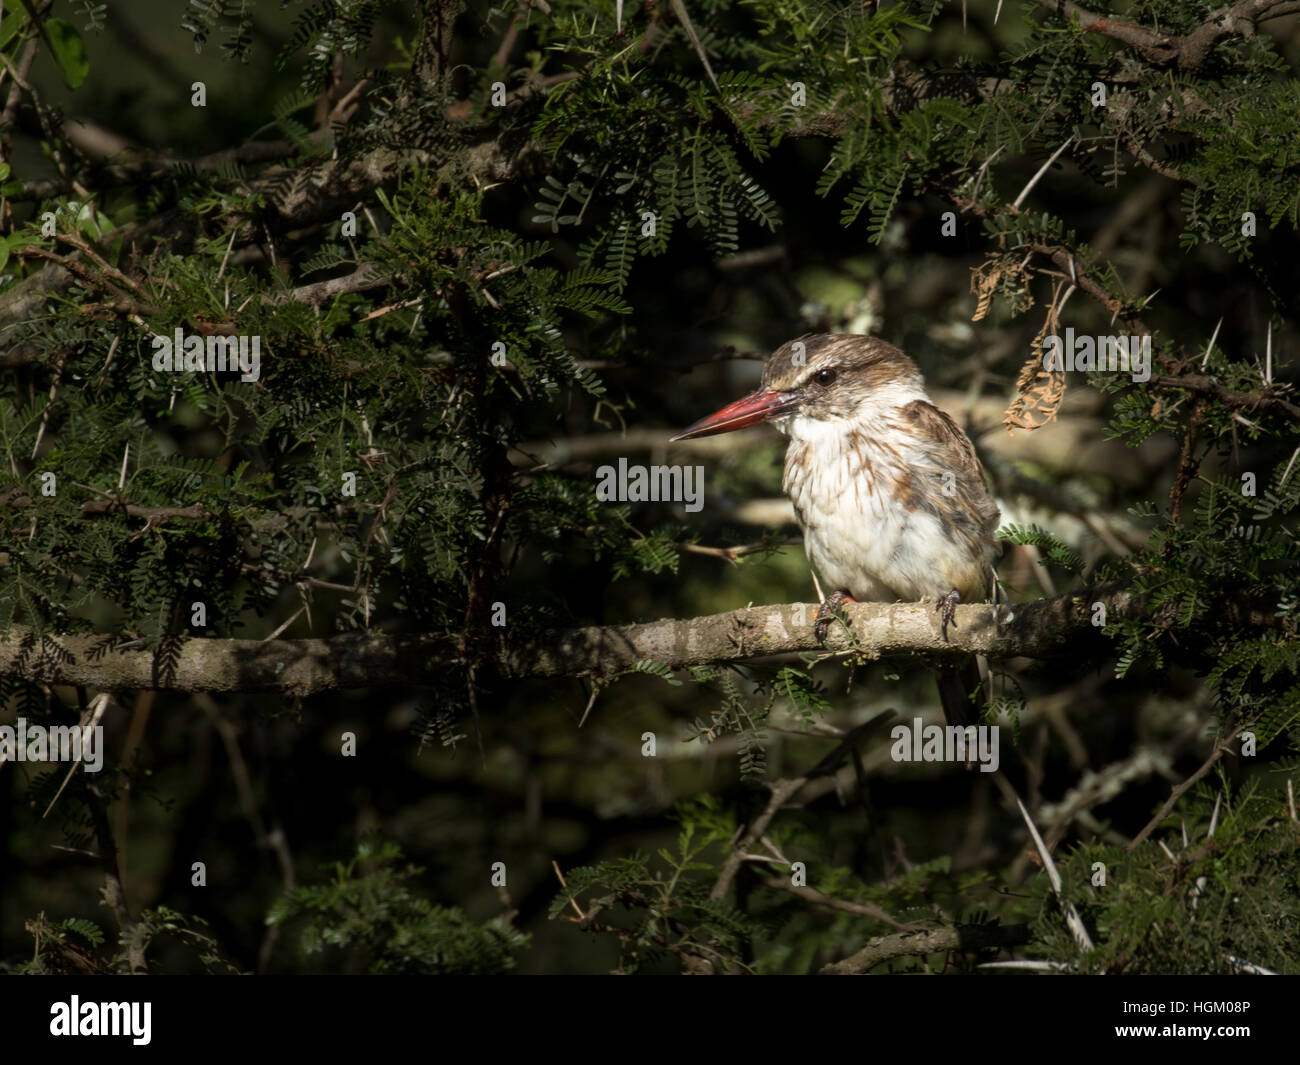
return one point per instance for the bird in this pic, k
(887, 489)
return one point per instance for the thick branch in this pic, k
(1032, 629)
(305, 667)
(293, 667)
(361, 660)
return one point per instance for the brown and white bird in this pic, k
(887, 489)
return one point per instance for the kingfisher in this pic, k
(887, 489)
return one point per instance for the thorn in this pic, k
(1072, 918)
(1287, 472)
(679, 9)
(1041, 171)
(1210, 348)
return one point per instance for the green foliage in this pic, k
(93, 13)
(77, 946)
(656, 669)
(807, 696)
(326, 29)
(187, 930)
(1054, 551)
(736, 714)
(668, 909)
(69, 52)
(370, 917)
(1212, 904)
(235, 18)
(1197, 577)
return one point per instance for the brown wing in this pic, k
(948, 437)
(950, 449)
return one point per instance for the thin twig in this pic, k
(862, 909)
(1220, 748)
(572, 901)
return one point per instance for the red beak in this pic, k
(760, 406)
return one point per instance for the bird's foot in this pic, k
(826, 613)
(947, 607)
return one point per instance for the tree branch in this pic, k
(782, 792)
(432, 60)
(1184, 52)
(1032, 629)
(99, 507)
(1264, 399)
(366, 278)
(910, 944)
(1220, 749)
(361, 660)
(861, 909)
(20, 73)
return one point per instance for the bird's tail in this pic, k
(961, 691)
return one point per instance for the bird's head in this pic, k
(817, 381)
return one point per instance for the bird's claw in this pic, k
(947, 607)
(826, 614)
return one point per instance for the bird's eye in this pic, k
(824, 377)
